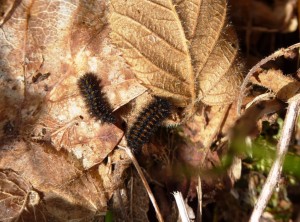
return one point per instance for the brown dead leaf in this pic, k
(122, 93)
(204, 127)
(179, 50)
(247, 124)
(64, 186)
(44, 48)
(88, 141)
(36, 163)
(283, 86)
(49, 137)
(13, 194)
(42, 56)
(19, 201)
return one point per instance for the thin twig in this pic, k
(181, 207)
(121, 204)
(131, 196)
(199, 193)
(275, 172)
(254, 69)
(146, 185)
(262, 97)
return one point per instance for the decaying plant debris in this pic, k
(58, 164)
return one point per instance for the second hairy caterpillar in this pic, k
(94, 98)
(147, 123)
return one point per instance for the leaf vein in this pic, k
(148, 59)
(156, 3)
(147, 28)
(225, 72)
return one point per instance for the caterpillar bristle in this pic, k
(147, 123)
(95, 100)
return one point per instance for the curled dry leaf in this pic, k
(247, 124)
(182, 50)
(283, 86)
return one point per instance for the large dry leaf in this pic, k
(44, 47)
(67, 191)
(182, 50)
(42, 57)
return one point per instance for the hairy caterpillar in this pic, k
(94, 98)
(147, 123)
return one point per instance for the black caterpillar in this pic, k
(94, 98)
(147, 123)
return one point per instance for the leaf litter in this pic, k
(179, 51)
